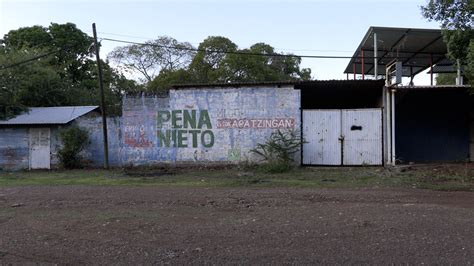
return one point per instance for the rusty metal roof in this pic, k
(49, 115)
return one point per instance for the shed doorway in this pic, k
(40, 148)
(343, 137)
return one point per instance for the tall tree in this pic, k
(162, 54)
(255, 67)
(457, 20)
(217, 59)
(209, 59)
(68, 76)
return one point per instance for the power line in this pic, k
(228, 52)
(257, 54)
(282, 49)
(28, 60)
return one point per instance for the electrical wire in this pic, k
(29, 60)
(258, 54)
(228, 52)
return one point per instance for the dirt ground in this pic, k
(122, 225)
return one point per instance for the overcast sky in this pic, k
(318, 27)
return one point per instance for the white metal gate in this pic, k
(342, 137)
(40, 148)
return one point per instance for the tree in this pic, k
(456, 18)
(162, 54)
(163, 82)
(254, 68)
(217, 59)
(209, 59)
(68, 76)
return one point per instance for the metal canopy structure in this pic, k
(417, 49)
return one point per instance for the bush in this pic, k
(278, 150)
(74, 140)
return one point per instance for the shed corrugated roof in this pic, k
(49, 115)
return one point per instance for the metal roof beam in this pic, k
(434, 63)
(387, 51)
(421, 50)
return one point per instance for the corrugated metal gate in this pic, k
(342, 137)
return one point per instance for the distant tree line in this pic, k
(165, 61)
(67, 75)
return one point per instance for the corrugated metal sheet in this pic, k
(471, 149)
(362, 131)
(351, 135)
(49, 115)
(321, 130)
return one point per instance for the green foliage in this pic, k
(67, 77)
(457, 42)
(163, 82)
(155, 57)
(74, 140)
(278, 150)
(453, 14)
(470, 62)
(455, 17)
(446, 79)
(208, 65)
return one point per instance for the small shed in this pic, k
(31, 140)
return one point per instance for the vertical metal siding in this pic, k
(362, 131)
(321, 131)
(471, 149)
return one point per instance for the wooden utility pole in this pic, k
(102, 100)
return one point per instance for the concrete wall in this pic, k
(205, 125)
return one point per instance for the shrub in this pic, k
(74, 140)
(278, 150)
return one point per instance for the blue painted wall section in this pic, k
(94, 152)
(139, 142)
(14, 151)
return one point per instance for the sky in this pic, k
(303, 27)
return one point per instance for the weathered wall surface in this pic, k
(14, 150)
(205, 125)
(192, 125)
(94, 152)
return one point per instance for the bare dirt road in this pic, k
(116, 224)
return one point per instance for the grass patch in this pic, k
(447, 178)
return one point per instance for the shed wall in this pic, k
(14, 150)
